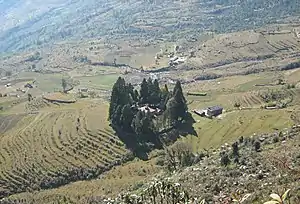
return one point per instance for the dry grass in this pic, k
(120, 179)
(55, 140)
(232, 125)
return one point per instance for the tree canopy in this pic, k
(140, 112)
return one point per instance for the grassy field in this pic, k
(235, 122)
(232, 125)
(98, 82)
(45, 82)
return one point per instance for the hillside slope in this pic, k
(30, 24)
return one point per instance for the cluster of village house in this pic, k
(173, 59)
(15, 93)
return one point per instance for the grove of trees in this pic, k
(129, 109)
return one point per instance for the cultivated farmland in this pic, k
(57, 146)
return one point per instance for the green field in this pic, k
(45, 82)
(232, 125)
(98, 82)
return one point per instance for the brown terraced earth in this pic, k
(60, 59)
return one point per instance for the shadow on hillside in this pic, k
(141, 148)
(132, 143)
(186, 128)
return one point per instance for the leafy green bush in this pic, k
(179, 155)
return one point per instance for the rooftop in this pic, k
(214, 108)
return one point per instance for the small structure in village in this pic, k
(28, 85)
(176, 60)
(212, 111)
(8, 85)
(80, 90)
(13, 94)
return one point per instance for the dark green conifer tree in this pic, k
(115, 119)
(165, 96)
(136, 124)
(144, 92)
(147, 127)
(176, 106)
(181, 108)
(136, 96)
(126, 118)
(156, 93)
(114, 98)
(119, 96)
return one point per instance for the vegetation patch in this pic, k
(141, 118)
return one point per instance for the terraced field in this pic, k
(56, 147)
(7, 122)
(232, 125)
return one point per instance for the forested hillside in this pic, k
(28, 23)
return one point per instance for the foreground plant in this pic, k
(277, 199)
(239, 199)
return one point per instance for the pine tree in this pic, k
(124, 97)
(115, 119)
(165, 96)
(144, 92)
(171, 112)
(156, 93)
(136, 96)
(178, 89)
(119, 96)
(114, 98)
(150, 91)
(126, 118)
(180, 100)
(147, 127)
(176, 106)
(130, 90)
(136, 124)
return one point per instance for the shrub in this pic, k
(275, 139)
(257, 146)
(241, 139)
(235, 149)
(224, 159)
(179, 155)
(236, 105)
(160, 161)
(292, 65)
(290, 86)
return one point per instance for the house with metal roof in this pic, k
(214, 111)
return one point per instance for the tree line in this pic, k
(146, 111)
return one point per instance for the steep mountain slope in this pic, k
(15, 12)
(55, 20)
